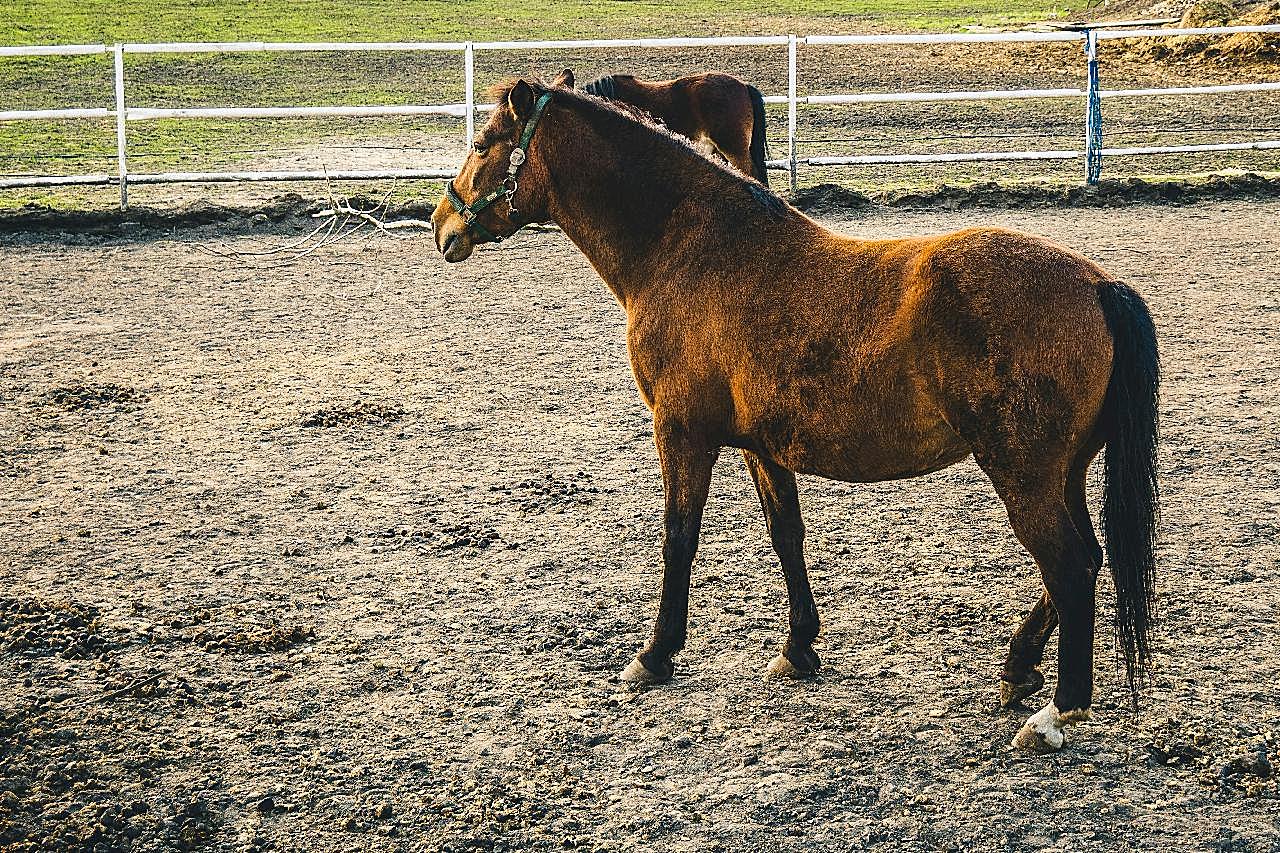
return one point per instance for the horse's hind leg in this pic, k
(1021, 675)
(734, 148)
(781, 503)
(1039, 516)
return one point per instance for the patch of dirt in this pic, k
(362, 412)
(82, 396)
(439, 536)
(550, 493)
(1224, 51)
(31, 627)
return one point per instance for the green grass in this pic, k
(107, 21)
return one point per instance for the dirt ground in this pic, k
(345, 555)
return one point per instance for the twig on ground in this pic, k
(123, 691)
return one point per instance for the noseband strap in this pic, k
(471, 212)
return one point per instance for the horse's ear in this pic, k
(521, 99)
(565, 79)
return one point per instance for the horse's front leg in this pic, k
(781, 503)
(687, 460)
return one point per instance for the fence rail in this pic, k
(1090, 154)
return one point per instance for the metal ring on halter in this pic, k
(512, 186)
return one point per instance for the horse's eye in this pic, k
(480, 148)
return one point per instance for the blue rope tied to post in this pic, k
(1093, 113)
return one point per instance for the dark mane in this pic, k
(602, 87)
(616, 116)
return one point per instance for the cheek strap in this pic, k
(471, 212)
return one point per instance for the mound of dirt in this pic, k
(361, 412)
(288, 207)
(276, 638)
(1235, 49)
(828, 197)
(90, 395)
(31, 628)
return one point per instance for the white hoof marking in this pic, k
(1043, 731)
(780, 667)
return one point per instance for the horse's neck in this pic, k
(616, 197)
(653, 98)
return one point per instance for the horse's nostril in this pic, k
(449, 241)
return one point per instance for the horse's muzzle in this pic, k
(452, 239)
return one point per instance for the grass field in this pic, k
(274, 79)
(94, 21)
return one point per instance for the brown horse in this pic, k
(716, 108)
(752, 326)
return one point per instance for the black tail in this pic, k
(1131, 499)
(759, 145)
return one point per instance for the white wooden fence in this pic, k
(1090, 154)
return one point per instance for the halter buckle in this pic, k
(517, 157)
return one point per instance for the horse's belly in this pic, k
(865, 450)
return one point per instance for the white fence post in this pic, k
(121, 162)
(469, 72)
(791, 109)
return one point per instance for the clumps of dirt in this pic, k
(550, 493)
(360, 413)
(286, 208)
(1231, 50)
(59, 792)
(1181, 748)
(1110, 192)
(32, 628)
(826, 198)
(82, 396)
(1251, 774)
(273, 638)
(440, 536)
(1217, 754)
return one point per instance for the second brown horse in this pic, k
(718, 109)
(751, 326)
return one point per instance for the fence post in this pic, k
(121, 162)
(1092, 113)
(469, 72)
(791, 108)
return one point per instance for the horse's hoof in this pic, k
(1043, 731)
(637, 673)
(784, 667)
(1012, 693)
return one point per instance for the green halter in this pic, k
(470, 212)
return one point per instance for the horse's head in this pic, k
(502, 184)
